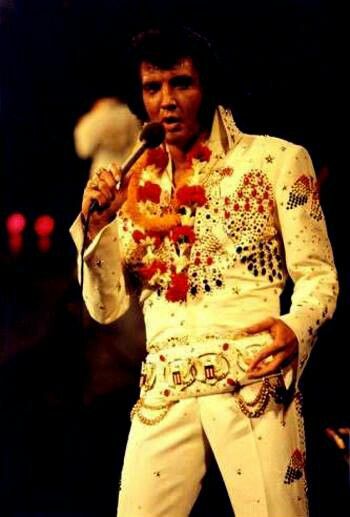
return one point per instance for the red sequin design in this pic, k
(250, 208)
(305, 191)
(295, 467)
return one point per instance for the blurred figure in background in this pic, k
(106, 133)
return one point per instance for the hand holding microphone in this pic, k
(105, 192)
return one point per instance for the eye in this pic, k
(182, 82)
(151, 87)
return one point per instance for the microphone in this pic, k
(152, 135)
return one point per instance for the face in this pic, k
(173, 97)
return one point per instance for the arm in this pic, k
(104, 290)
(309, 262)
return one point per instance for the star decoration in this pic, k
(269, 158)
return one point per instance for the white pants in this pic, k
(165, 463)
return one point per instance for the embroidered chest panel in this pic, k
(233, 229)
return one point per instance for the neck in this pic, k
(179, 154)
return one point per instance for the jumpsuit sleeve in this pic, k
(104, 288)
(308, 253)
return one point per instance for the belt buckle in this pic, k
(148, 375)
(179, 373)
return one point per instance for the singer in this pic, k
(211, 222)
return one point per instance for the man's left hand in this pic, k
(281, 353)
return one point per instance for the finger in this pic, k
(344, 430)
(92, 184)
(107, 190)
(265, 353)
(115, 171)
(262, 325)
(107, 177)
(279, 361)
(335, 437)
(267, 369)
(90, 196)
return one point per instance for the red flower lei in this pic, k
(157, 227)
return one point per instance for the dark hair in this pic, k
(164, 48)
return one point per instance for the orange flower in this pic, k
(148, 222)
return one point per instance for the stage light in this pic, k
(44, 225)
(15, 223)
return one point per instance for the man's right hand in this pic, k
(102, 188)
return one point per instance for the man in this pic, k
(210, 223)
(106, 133)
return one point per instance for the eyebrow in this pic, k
(177, 79)
(182, 79)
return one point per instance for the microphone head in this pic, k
(153, 134)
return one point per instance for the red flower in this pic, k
(157, 157)
(147, 272)
(177, 291)
(199, 152)
(150, 191)
(191, 195)
(183, 234)
(138, 236)
(156, 236)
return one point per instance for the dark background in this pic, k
(66, 383)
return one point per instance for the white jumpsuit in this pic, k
(260, 222)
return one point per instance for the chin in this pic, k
(176, 139)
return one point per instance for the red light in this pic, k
(44, 225)
(15, 223)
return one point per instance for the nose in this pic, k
(168, 98)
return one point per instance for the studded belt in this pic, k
(199, 369)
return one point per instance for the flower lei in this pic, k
(172, 224)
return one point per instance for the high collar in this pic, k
(224, 136)
(224, 133)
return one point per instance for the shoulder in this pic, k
(273, 150)
(271, 143)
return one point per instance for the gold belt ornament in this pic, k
(198, 369)
(272, 387)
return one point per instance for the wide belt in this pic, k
(203, 368)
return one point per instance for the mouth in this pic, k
(171, 123)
